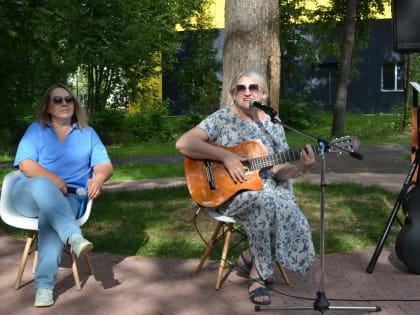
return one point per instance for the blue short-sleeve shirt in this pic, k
(72, 159)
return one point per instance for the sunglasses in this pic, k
(240, 88)
(59, 99)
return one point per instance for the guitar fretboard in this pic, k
(291, 155)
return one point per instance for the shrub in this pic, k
(298, 113)
(109, 124)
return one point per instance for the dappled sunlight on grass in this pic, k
(147, 171)
(160, 222)
(355, 216)
(141, 149)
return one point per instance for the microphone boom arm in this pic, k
(274, 118)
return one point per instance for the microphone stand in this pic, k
(321, 302)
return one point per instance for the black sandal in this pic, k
(244, 268)
(258, 292)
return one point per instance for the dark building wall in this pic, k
(364, 90)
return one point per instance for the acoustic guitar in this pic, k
(408, 239)
(210, 184)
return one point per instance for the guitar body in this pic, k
(210, 184)
(225, 188)
(407, 245)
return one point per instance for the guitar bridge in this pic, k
(210, 177)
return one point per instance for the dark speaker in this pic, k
(405, 26)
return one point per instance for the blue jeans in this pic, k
(40, 197)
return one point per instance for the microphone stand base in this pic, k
(321, 304)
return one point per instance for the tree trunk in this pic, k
(90, 99)
(252, 43)
(406, 74)
(344, 68)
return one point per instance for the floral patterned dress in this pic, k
(276, 227)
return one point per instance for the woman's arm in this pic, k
(101, 173)
(31, 168)
(194, 144)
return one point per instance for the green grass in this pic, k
(147, 171)
(369, 129)
(355, 215)
(159, 222)
(141, 149)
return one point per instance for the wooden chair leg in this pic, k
(224, 255)
(89, 264)
(35, 262)
(282, 272)
(209, 247)
(24, 259)
(75, 271)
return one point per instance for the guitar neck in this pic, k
(291, 155)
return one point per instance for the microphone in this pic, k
(77, 191)
(266, 108)
(254, 103)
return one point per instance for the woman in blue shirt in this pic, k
(58, 154)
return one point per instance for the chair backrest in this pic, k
(9, 214)
(212, 212)
(83, 219)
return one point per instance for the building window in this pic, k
(392, 77)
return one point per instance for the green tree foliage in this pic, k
(196, 72)
(298, 54)
(340, 23)
(415, 67)
(295, 45)
(116, 45)
(328, 24)
(30, 60)
(121, 44)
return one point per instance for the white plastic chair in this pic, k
(11, 217)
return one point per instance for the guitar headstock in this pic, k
(348, 143)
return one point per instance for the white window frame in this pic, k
(396, 80)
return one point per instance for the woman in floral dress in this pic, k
(276, 227)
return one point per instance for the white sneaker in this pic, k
(79, 245)
(43, 297)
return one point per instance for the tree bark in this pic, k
(344, 68)
(406, 74)
(252, 43)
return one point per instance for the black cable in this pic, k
(310, 298)
(196, 226)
